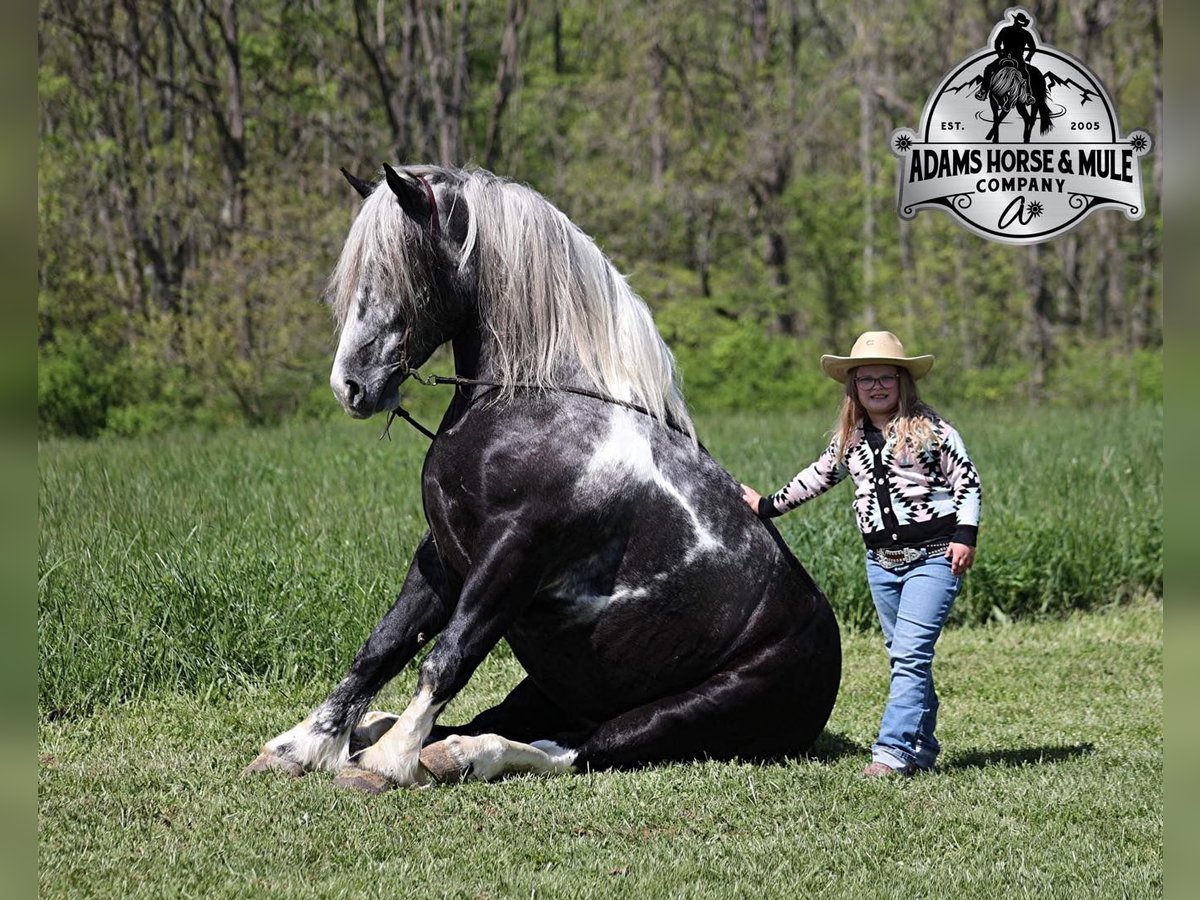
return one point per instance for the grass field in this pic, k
(1050, 786)
(200, 592)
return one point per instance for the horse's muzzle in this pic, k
(361, 399)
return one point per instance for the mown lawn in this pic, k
(1050, 785)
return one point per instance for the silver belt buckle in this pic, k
(893, 559)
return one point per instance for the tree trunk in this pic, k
(506, 77)
(865, 76)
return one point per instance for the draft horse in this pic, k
(1009, 89)
(571, 511)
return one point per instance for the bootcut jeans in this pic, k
(913, 602)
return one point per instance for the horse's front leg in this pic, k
(321, 740)
(493, 595)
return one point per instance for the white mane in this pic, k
(555, 309)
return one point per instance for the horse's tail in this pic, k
(1044, 114)
(1041, 92)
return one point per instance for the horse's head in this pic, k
(401, 287)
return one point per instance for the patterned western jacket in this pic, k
(904, 499)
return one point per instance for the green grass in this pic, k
(212, 563)
(199, 592)
(1050, 786)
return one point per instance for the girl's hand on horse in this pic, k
(961, 556)
(751, 496)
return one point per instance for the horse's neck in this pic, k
(467, 353)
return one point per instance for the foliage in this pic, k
(732, 156)
(207, 561)
(78, 386)
(1050, 784)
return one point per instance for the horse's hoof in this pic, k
(362, 780)
(269, 762)
(440, 764)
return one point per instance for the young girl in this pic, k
(916, 499)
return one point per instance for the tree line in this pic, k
(731, 155)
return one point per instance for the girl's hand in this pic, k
(961, 556)
(751, 496)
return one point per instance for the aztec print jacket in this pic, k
(904, 500)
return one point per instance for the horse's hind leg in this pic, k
(322, 740)
(486, 757)
(509, 738)
(772, 703)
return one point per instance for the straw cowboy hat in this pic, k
(871, 349)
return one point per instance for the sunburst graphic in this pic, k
(904, 143)
(1139, 142)
(1035, 209)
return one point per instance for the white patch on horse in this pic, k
(396, 755)
(312, 745)
(625, 453)
(487, 757)
(580, 589)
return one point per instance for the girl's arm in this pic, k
(963, 477)
(811, 482)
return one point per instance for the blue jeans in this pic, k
(913, 602)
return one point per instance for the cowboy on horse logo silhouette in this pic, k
(1010, 80)
(1027, 189)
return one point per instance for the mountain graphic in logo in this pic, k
(1020, 143)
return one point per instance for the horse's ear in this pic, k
(364, 188)
(412, 199)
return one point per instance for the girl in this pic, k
(917, 498)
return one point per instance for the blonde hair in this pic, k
(910, 429)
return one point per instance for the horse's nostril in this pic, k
(353, 391)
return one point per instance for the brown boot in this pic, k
(880, 770)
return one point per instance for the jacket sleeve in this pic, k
(963, 477)
(813, 481)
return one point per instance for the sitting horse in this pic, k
(1028, 92)
(571, 511)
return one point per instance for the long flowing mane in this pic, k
(556, 310)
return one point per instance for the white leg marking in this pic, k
(374, 716)
(311, 746)
(489, 756)
(397, 755)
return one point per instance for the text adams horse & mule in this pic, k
(571, 511)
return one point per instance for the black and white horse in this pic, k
(571, 511)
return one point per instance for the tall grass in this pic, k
(204, 562)
(1072, 507)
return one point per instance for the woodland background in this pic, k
(731, 156)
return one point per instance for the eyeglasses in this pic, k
(866, 382)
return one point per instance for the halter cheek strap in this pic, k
(434, 229)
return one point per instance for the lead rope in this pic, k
(460, 382)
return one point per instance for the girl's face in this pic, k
(878, 389)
